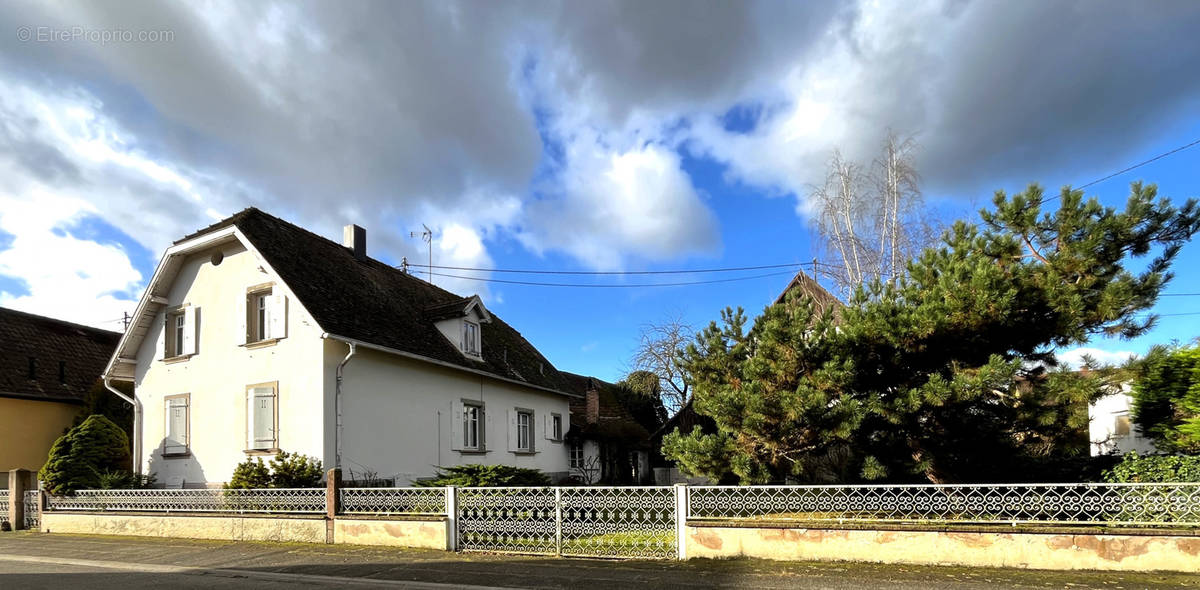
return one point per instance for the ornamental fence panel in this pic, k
(385, 501)
(4, 506)
(618, 522)
(284, 501)
(1093, 504)
(32, 509)
(508, 520)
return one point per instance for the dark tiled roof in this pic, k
(49, 341)
(615, 421)
(373, 302)
(445, 311)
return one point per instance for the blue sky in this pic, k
(533, 137)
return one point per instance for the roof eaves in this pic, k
(448, 365)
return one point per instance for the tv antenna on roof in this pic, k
(427, 237)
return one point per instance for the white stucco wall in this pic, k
(397, 416)
(1102, 423)
(217, 376)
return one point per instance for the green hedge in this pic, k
(1135, 468)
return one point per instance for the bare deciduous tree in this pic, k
(658, 351)
(871, 220)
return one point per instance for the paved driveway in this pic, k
(31, 560)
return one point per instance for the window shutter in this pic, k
(456, 426)
(189, 331)
(243, 333)
(160, 348)
(264, 418)
(512, 430)
(485, 421)
(176, 426)
(548, 426)
(533, 432)
(277, 315)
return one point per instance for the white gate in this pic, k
(618, 522)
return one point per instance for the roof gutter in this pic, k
(426, 359)
(137, 423)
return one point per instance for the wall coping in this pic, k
(294, 516)
(263, 515)
(1025, 528)
(394, 517)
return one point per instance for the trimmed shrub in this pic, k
(293, 470)
(250, 474)
(79, 457)
(476, 475)
(286, 470)
(124, 480)
(1134, 468)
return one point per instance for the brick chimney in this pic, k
(593, 405)
(355, 238)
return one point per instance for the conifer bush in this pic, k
(79, 457)
(475, 475)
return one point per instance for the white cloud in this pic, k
(1074, 358)
(66, 277)
(614, 206)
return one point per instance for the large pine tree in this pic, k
(947, 374)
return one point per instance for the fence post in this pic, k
(681, 514)
(451, 518)
(333, 481)
(18, 482)
(558, 521)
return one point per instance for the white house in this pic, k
(1111, 428)
(255, 335)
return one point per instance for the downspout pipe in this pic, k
(137, 422)
(337, 404)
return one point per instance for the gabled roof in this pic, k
(457, 309)
(83, 349)
(615, 421)
(823, 300)
(371, 302)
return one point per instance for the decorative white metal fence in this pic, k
(32, 509)
(4, 506)
(570, 521)
(384, 501)
(1102, 504)
(514, 520)
(294, 500)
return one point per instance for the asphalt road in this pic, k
(31, 560)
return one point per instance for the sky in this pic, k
(597, 136)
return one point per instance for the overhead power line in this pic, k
(1128, 169)
(614, 272)
(605, 285)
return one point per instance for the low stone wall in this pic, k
(220, 527)
(1060, 549)
(420, 532)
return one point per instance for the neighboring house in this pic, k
(1110, 426)
(47, 368)
(606, 443)
(255, 336)
(802, 284)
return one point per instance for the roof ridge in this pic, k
(59, 321)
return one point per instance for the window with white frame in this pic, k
(1122, 426)
(266, 314)
(472, 427)
(180, 332)
(470, 343)
(262, 417)
(524, 431)
(575, 455)
(556, 426)
(177, 424)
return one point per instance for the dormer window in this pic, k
(470, 341)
